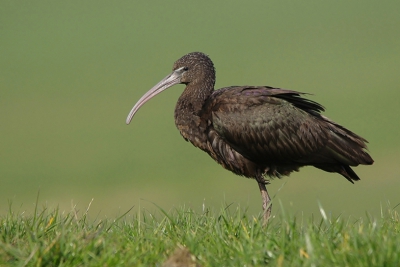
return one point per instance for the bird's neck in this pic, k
(187, 112)
(194, 97)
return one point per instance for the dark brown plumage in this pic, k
(257, 131)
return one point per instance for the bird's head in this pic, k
(197, 68)
(192, 69)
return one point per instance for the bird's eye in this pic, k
(185, 68)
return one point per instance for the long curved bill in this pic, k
(170, 80)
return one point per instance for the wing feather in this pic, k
(268, 124)
(263, 124)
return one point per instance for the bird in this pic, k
(259, 132)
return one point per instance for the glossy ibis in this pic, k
(257, 131)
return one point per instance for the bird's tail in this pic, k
(344, 149)
(345, 170)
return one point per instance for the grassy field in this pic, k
(229, 237)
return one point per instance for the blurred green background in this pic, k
(70, 71)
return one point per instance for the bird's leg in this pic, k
(267, 206)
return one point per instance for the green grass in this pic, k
(229, 237)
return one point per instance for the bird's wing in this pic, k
(264, 123)
(277, 127)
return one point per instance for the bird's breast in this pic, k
(191, 126)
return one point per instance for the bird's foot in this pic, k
(262, 180)
(265, 181)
